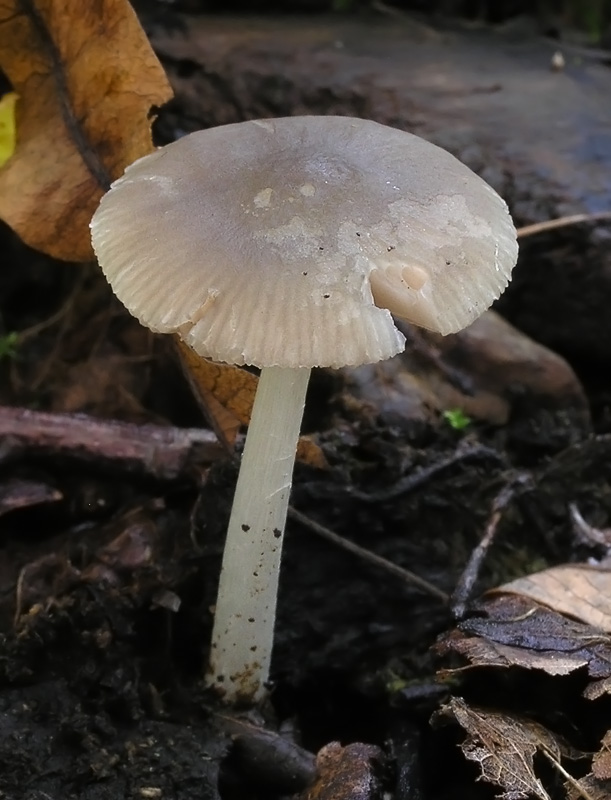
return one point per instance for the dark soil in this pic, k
(108, 577)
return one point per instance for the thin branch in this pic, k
(58, 316)
(582, 791)
(518, 484)
(366, 555)
(585, 532)
(416, 479)
(561, 222)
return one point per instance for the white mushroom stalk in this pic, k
(286, 244)
(245, 612)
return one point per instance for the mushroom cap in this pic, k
(288, 242)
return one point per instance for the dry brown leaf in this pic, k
(597, 689)
(308, 452)
(87, 79)
(226, 394)
(577, 590)
(482, 652)
(589, 788)
(504, 746)
(346, 773)
(225, 425)
(515, 631)
(601, 763)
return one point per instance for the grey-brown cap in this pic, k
(284, 242)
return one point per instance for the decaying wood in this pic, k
(163, 453)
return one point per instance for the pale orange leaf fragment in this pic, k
(582, 591)
(226, 393)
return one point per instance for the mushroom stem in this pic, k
(245, 613)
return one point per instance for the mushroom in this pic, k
(286, 244)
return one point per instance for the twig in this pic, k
(417, 479)
(585, 532)
(62, 318)
(17, 493)
(462, 593)
(366, 555)
(163, 453)
(583, 792)
(65, 308)
(561, 222)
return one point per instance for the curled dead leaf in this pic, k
(582, 591)
(505, 745)
(482, 652)
(515, 631)
(226, 394)
(87, 79)
(601, 763)
(597, 689)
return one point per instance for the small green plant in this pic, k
(591, 16)
(8, 345)
(457, 419)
